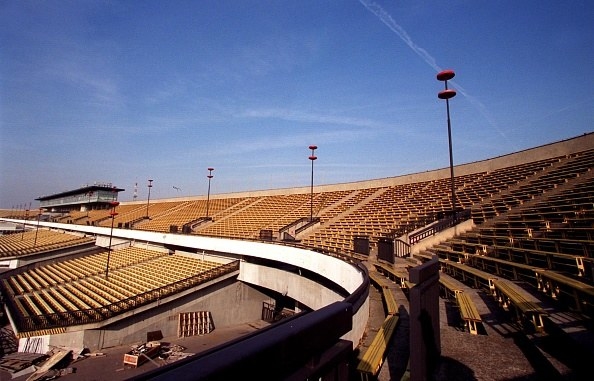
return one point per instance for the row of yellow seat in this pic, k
(36, 295)
(36, 241)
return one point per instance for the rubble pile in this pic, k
(173, 352)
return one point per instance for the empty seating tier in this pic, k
(85, 292)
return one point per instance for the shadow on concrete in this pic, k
(450, 369)
(399, 349)
(453, 314)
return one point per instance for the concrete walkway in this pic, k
(110, 367)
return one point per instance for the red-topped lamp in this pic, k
(448, 94)
(312, 157)
(113, 215)
(148, 199)
(209, 176)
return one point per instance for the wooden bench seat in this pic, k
(387, 295)
(58, 297)
(468, 273)
(527, 307)
(449, 285)
(377, 279)
(391, 305)
(558, 285)
(55, 305)
(503, 268)
(397, 275)
(31, 303)
(371, 362)
(539, 258)
(468, 312)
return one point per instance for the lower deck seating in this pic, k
(510, 295)
(40, 299)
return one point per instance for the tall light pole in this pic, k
(113, 214)
(37, 230)
(210, 176)
(25, 218)
(447, 94)
(148, 199)
(312, 157)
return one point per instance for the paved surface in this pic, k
(500, 352)
(110, 367)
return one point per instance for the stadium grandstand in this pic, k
(84, 271)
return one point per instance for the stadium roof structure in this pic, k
(85, 189)
(99, 195)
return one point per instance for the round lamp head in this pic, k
(446, 94)
(312, 147)
(445, 75)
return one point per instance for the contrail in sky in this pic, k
(385, 17)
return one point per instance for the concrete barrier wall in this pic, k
(304, 290)
(344, 274)
(229, 302)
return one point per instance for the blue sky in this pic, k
(124, 91)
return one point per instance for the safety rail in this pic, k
(401, 248)
(68, 318)
(438, 226)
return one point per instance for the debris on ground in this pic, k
(139, 354)
(17, 362)
(45, 371)
(173, 352)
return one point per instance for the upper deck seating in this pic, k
(187, 212)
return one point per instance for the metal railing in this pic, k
(401, 248)
(440, 225)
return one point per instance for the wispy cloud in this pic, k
(285, 141)
(562, 110)
(86, 74)
(300, 116)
